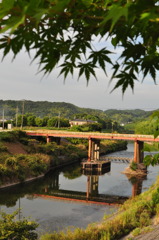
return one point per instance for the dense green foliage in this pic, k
(150, 127)
(63, 32)
(127, 116)
(87, 127)
(68, 151)
(11, 228)
(15, 168)
(108, 146)
(13, 136)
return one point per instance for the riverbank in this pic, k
(23, 159)
(66, 218)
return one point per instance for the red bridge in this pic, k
(94, 140)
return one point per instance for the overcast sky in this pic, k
(18, 80)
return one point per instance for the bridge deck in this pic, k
(93, 135)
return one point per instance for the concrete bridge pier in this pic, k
(53, 139)
(48, 139)
(138, 151)
(93, 149)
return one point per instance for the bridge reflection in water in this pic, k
(92, 195)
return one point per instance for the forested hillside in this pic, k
(127, 116)
(43, 108)
(67, 110)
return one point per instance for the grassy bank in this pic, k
(23, 158)
(20, 166)
(134, 216)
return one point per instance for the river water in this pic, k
(67, 198)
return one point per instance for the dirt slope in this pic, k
(15, 148)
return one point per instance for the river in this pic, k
(67, 198)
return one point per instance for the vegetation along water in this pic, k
(37, 200)
(24, 158)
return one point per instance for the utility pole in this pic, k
(16, 117)
(22, 114)
(59, 120)
(112, 126)
(3, 119)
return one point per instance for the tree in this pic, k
(63, 31)
(153, 159)
(58, 122)
(45, 120)
(31, 120)
(11, 228)
(19, 120)
(38, 121)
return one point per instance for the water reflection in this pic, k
(50, 187)
(91, 194)
(137, 184)
(44, 200)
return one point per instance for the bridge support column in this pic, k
(93, 150)
(138, 151)
(48, 139)
(89, 149)
(96, 150)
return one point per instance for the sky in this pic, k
(19, 80)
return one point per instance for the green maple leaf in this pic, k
(101, 57)
(126, 79)
(67, 67)
(115, 13)
(87, 69)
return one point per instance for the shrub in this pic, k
(144, 219)
(10, 161)
(155, 197)
(136, 232)
(4, 171)
(3, 148)
(12, 136)
(10, 228)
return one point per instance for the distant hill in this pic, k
(68, 110)
(126, 116)
(43, 108)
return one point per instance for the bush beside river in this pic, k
(109, 146)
